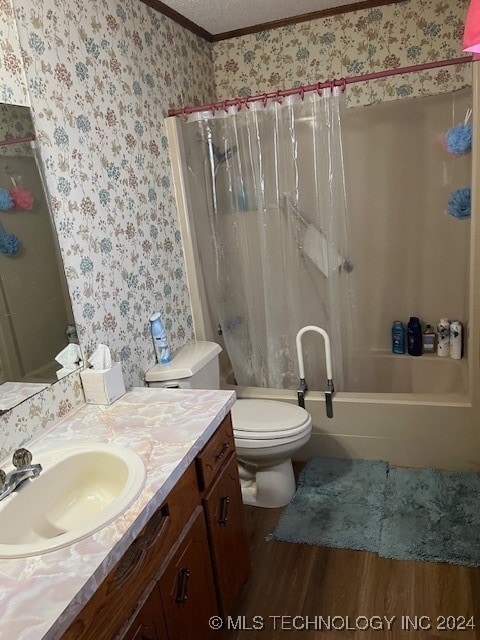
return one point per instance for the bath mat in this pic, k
(338, 503)
(406, 514)
(432, 515)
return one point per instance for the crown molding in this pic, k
(265, 26)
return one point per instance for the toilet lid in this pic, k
(268, 419)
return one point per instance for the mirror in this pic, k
(36, 318)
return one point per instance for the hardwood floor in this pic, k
(302, 580)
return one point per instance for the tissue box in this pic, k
(103, 386)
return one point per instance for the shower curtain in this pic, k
(271, 234)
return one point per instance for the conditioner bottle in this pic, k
(443, 344)
(455, 340)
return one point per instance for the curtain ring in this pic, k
(301, 91)
(224, 106)
(264, 100)
(343, 84)
(247, 100)
(278, 96)
(239, 103)
(213, 108)
(319, 88)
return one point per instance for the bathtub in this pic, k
(422, 426)
(421, 430)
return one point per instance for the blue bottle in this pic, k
(414, 330)
(159, 337)
(398, 337)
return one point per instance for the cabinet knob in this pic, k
(182, 585)
(222, 452)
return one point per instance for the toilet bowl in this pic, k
(267, 432)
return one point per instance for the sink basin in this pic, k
(80, 490)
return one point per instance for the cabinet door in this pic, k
(187, 587)
(149, 623)
(226, 526)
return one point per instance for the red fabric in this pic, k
(471, 36)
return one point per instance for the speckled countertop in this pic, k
(41, 595)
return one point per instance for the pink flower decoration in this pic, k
(21, 199)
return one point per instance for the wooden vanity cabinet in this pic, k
(149, 622)
(230, 552)
(188, 563)
(186, 585)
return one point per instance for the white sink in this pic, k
(80, 490)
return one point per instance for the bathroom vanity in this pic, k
(178, 556)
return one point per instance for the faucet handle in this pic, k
(22, 458)
(3, 477)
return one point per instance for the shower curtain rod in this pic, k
(342, 82)
(5, 143)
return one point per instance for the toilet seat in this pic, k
(269, 420)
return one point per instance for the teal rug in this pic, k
(432, 515)
(405, 514)
(338, 503)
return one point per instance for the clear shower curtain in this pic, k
(272, 235)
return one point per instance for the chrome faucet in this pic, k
(24, 469)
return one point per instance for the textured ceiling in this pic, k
(219, 16)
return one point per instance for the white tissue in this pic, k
(70, 357)
(101, 358)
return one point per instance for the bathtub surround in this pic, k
(405, 514)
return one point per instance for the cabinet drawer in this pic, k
(116, 598)
(215, 453)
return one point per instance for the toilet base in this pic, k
(267, 486)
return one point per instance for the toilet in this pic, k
(267, 432)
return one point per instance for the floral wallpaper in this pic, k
(350, 44)
(101, 75)
(39, 413)
(13, 87)
(15, 122)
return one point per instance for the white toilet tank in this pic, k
(194, 366)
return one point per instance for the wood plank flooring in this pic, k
(302, 580)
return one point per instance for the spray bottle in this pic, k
(159, 337)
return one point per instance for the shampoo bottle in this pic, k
(455, 340)
(398, 337)
(159, 337)
(443, 344)
(414, 337)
